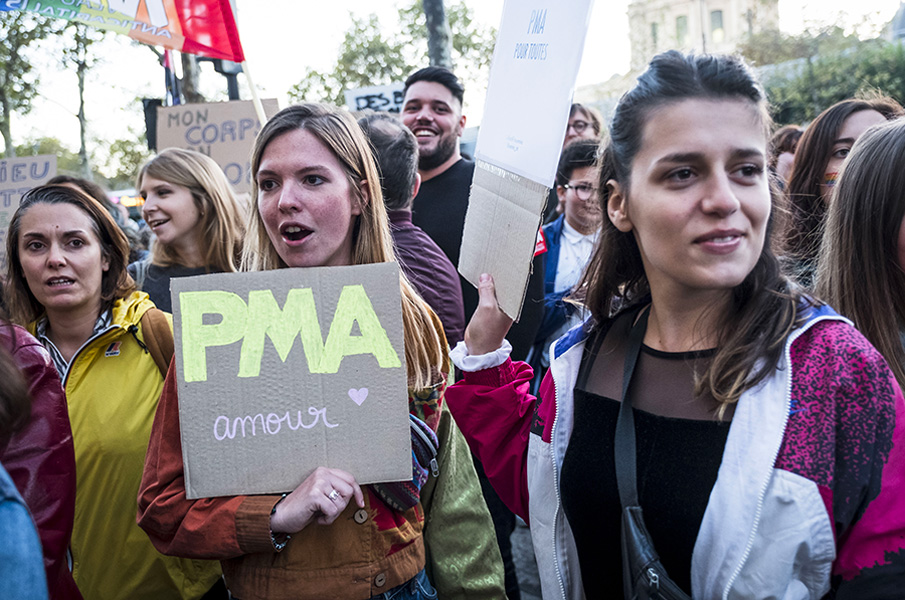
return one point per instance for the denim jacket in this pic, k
(21, 562)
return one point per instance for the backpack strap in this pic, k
(158, 337)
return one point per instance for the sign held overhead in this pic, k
(532, 78)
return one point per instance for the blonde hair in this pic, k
(220, 225)
(426, 353)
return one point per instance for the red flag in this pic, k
(203, 27)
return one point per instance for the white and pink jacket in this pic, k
(810, 496)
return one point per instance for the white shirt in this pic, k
(574, 253)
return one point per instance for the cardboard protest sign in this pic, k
(17, 176)
(225, 131)
(280, 372)
(535, 63)
(500, 234)
(379, 97)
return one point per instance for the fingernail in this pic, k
(484, 277)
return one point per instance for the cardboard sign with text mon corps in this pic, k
(225, 131)
(280, 372)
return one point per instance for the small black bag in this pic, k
(643, 575)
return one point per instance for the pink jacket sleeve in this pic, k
(496, 413)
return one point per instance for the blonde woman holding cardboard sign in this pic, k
(319, 204)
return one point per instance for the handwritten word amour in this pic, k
(262, 318)
(271, 424)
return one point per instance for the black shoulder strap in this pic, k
(625, 456)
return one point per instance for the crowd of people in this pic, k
(707, 372)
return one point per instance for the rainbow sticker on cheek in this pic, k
(829, 179)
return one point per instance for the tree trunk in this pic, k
(10, 151)
(84, 164)
(439, 38)
(191, 72)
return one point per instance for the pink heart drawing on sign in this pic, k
(358, 396)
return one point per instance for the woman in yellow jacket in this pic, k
(67, 279)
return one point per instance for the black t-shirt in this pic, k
(439, 209)
(157, 282)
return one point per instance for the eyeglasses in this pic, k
(582, 190)
(578, 126)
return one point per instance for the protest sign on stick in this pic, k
(225, 131)
(280, 372)
(386, 98)
(532, 79)
(17, 176)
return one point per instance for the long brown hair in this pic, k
(808, 207)
(859, 273)
(425, 343)
(15, 402)
(115, 283)
(220, 226)
(763, 308)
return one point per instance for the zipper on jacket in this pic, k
(766, 484)
(82, 347)
(653, 581)
(559, 577)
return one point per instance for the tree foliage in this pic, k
(371, 56)
(67, 160)
(115, 171)
(806, 73)
(771, 46)
(124, 157)
(800, 90)
(18, 83)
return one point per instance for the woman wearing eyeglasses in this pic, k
(570, 239)
(584, 124)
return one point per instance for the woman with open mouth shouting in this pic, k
(319, 203)
(196, 219)
(67, 282)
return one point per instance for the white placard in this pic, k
(386, 98)
(532, 80)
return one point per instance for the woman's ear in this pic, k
(364, 195)
(617, 206)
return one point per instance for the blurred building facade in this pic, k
(695, 25)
